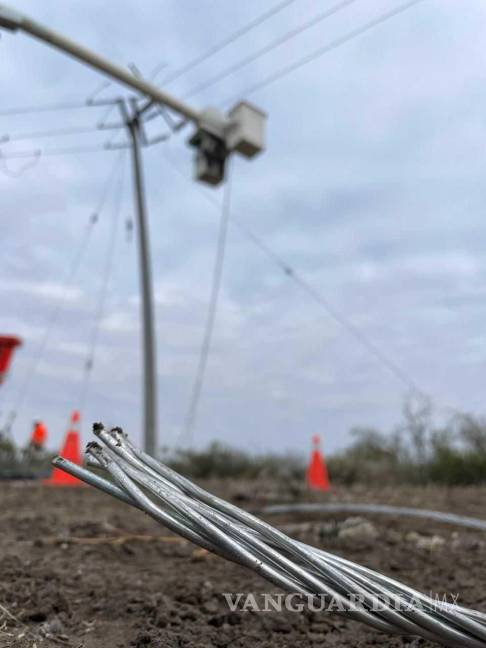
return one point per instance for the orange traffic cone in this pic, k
(317, 477)
(39, 435)
(71, 451)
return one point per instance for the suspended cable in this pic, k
(73, 105)
(53, 317)
(157, 70)
(338, 317)
(211, 314)
(106, 275)
(269, 47)
(400, 374)
(221, 45)
(56, 311)
(227, 41)
(284, 71)
(98, 90)
(56, 133)
(75, 150)
(106, 114)
(301, 62)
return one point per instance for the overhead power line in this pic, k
(211, 314)
(400, 374)
(303, 61)
(56, 311)
(57, 132)
(269, 47)
(103, 293)
(74, 150)
(338, 317)
(68, 105)
(227, 41)
(214, 49)
(321, 51)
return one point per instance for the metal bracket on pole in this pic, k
(216, 137)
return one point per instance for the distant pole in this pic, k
(217, 136)
(148, 337)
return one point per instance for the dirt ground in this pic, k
(79, 569)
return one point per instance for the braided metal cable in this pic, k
(356, 592)
(379, 509)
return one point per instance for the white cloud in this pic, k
(371, 187)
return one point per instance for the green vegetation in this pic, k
(218, 460)
(26, 463)
(416, 452)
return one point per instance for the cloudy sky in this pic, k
(372, 188)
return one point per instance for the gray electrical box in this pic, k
(246, 129)
(218, 135)
(210, 157)
(211, 151)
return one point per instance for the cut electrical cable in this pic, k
(349, 589)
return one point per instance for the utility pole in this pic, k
(148, 320)
(216, 137)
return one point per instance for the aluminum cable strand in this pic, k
(276, 535)
(435, 623)
(264, 558)
(236, 535)
(361, 573)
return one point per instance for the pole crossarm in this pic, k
(14, 20)
(216, 137)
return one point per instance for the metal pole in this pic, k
(14, 20)
(149, 348)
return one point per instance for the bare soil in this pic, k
(79, 569)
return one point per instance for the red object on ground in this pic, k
(317, 477)
(39, 435)
(8, 344)
(71, 450)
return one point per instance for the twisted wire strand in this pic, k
(237, 535)
(347, 507)
(359, 572)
